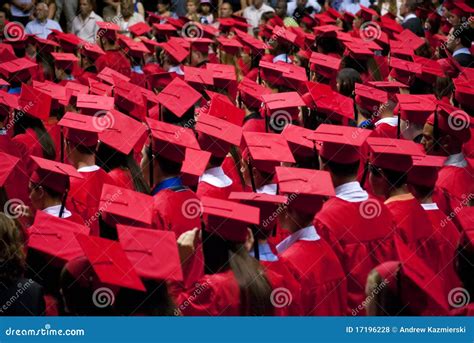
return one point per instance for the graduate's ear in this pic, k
(445, 142)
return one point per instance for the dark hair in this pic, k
(347, 78)
(109, 159)
(411, 4)
(166, 165)
(464, 33)
(12, 256)
(465, 266)
(340, 169)
(24, 122)
(368, 66)
(216, 161)
(267, 16)
(421, 87)
(443, 87)
(396, 179)
(255, 289)
(329, 44)
(86, 150)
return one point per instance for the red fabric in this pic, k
(362, 239)
(28, 145)
(324, 288)
(206, 189)
(464, 311)
(115, 60)
(457, 182)
(122, 178)
(231, 170)
(84, 197)
(51, 305)
(468, 147)
(55, 132)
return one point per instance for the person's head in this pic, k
(191, 6)
(301, 3)
(410, 130)
(42, 197)
(407, 7)
(346, 80)
(12, 253)
(258, 3)
(163, 6)
(225, 11)
(281, 8)
(460, 36)
(205, 7)
(340, 173)
(126, 8)
(23, 122)
(443, 142)
(41, 11)
(3, 17)
(197, 57)
(77, 154)
(162, 167)
(86, 7)
(385, 181)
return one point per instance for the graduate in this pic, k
(113, 58)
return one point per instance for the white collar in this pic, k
(456, 160)
(351, 192)
(307, 234)
(409, 16)
(176, 69)
(54, 211)
(216, 177)
(461, 51)
(430, 207)
(281, 58)
(392, 121)
(268, 189)
(88, 169)
(265, 252)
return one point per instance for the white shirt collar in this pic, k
(265, 252)
(268, 189)
(409, 16)
(307, 234)
(352, 192)
(392, 121)
(456, 160)
(88, 169)
(216, 177)
(176, 69)
(54, 211)
(430, 207)
(461, 51)
(281, 58)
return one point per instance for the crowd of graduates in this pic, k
(183, 168)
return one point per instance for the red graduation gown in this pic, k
(324, 288)
(467, 311)
(115, 60)
(84, 197)
(206, 189)
(179, 211)
(361, 242)
(415, 228)
(458, 182)
(122, 178)
(230, 169)
(28, 145)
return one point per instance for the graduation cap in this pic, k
(451, 121)
(81, 129)
(230, 45)
(409, 39)
(7, 165)
(53, 175)
(92, 51)
(301, 141)
(400, 50)
(217, 135)
(63, 60)
(6, 53)
(92, 104)
(287, 103)
(425, 170)
(194, 165)
(309, 186)
(199, 78)
(273, 72)
(327, 31)
(55, 91)
(153, 253)
(391, 87)
(69, 42)
(45, 45)
(251, 93)
(177, 52)
(129, 99)
(221, 107)
(415, 108)
(110, 76)
(367, 14)
(393, 154)
(229, 219)
(357, 51)
(404, 71)
(107, 30)
(178, 97)
(199, 44)
(55, 237)
(369, 98)
(430, 69)
(224, 75)
(8, 102)
(330, 103)
(99, 88)
(340, 144)
(110, 262)
(139, 29)
(34, 103)
(132, 47)
(464, 92)
(325, 65)
(18, 70)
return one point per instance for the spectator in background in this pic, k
(179, 7)
(281, 9)
(164, 9)
(192, 8)
(297, 8)
(85, 24)
(51, 8)
(254, 12)
(41, 26)
(205, 12)
(410, 20)
(225, 10)
(21, 10)
(128, 16)
(70, 9)
(236, 5)
(353, 6)
(3, 21)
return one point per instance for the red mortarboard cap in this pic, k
(404, 71)
(251, 93)
(110, 263)
(267, 203)
(224, 75)
(357, 51)
(6, 53)
(425, 170)
(45, 45)
(124, 133)
(333, 13)
(348, 17)
(132, 47)
(153, 253)
(391, 87)
(64, 60)
(194, 165)
(256, 45)
(267, 150)
(209, 31)
(34, 102)
(200, 44)
(400, 50)
(367, 14)
(109, 75)
(164, 29)
(464, 92)
(217, 135)
(171, 141)
(91, 104)
(341, 144)
(330, 103)
(124, 206)
(92, 51)
(107, 29)
(324, 19)
(176, 22)
(295, 77)
(199, 78)
(17, 69)
(99, 88)
(160, 80)
(175, 51)
(283, 35)
(55, 91)
(150, 43)
(416, 108)
(430, 69)
(8, 102)
(178, 97)
(229, 219)
(56, 236)
(221, 108)
(139, 29)
(369, 98)
(452, 121)
(461, 9)
(409, 39)
(273, 72)
(325, 65)
(230, 45)
(300, 140)
(53, 175)
(69, 42)
(129, 99)
(7, 164)
(393, 154)
(309, 186)
(287, 103)
(329, 31)
(81, 129)
(73, 89)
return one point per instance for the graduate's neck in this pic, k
(84, 160)
(341, 180)
(398, 191)
(49, 202)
